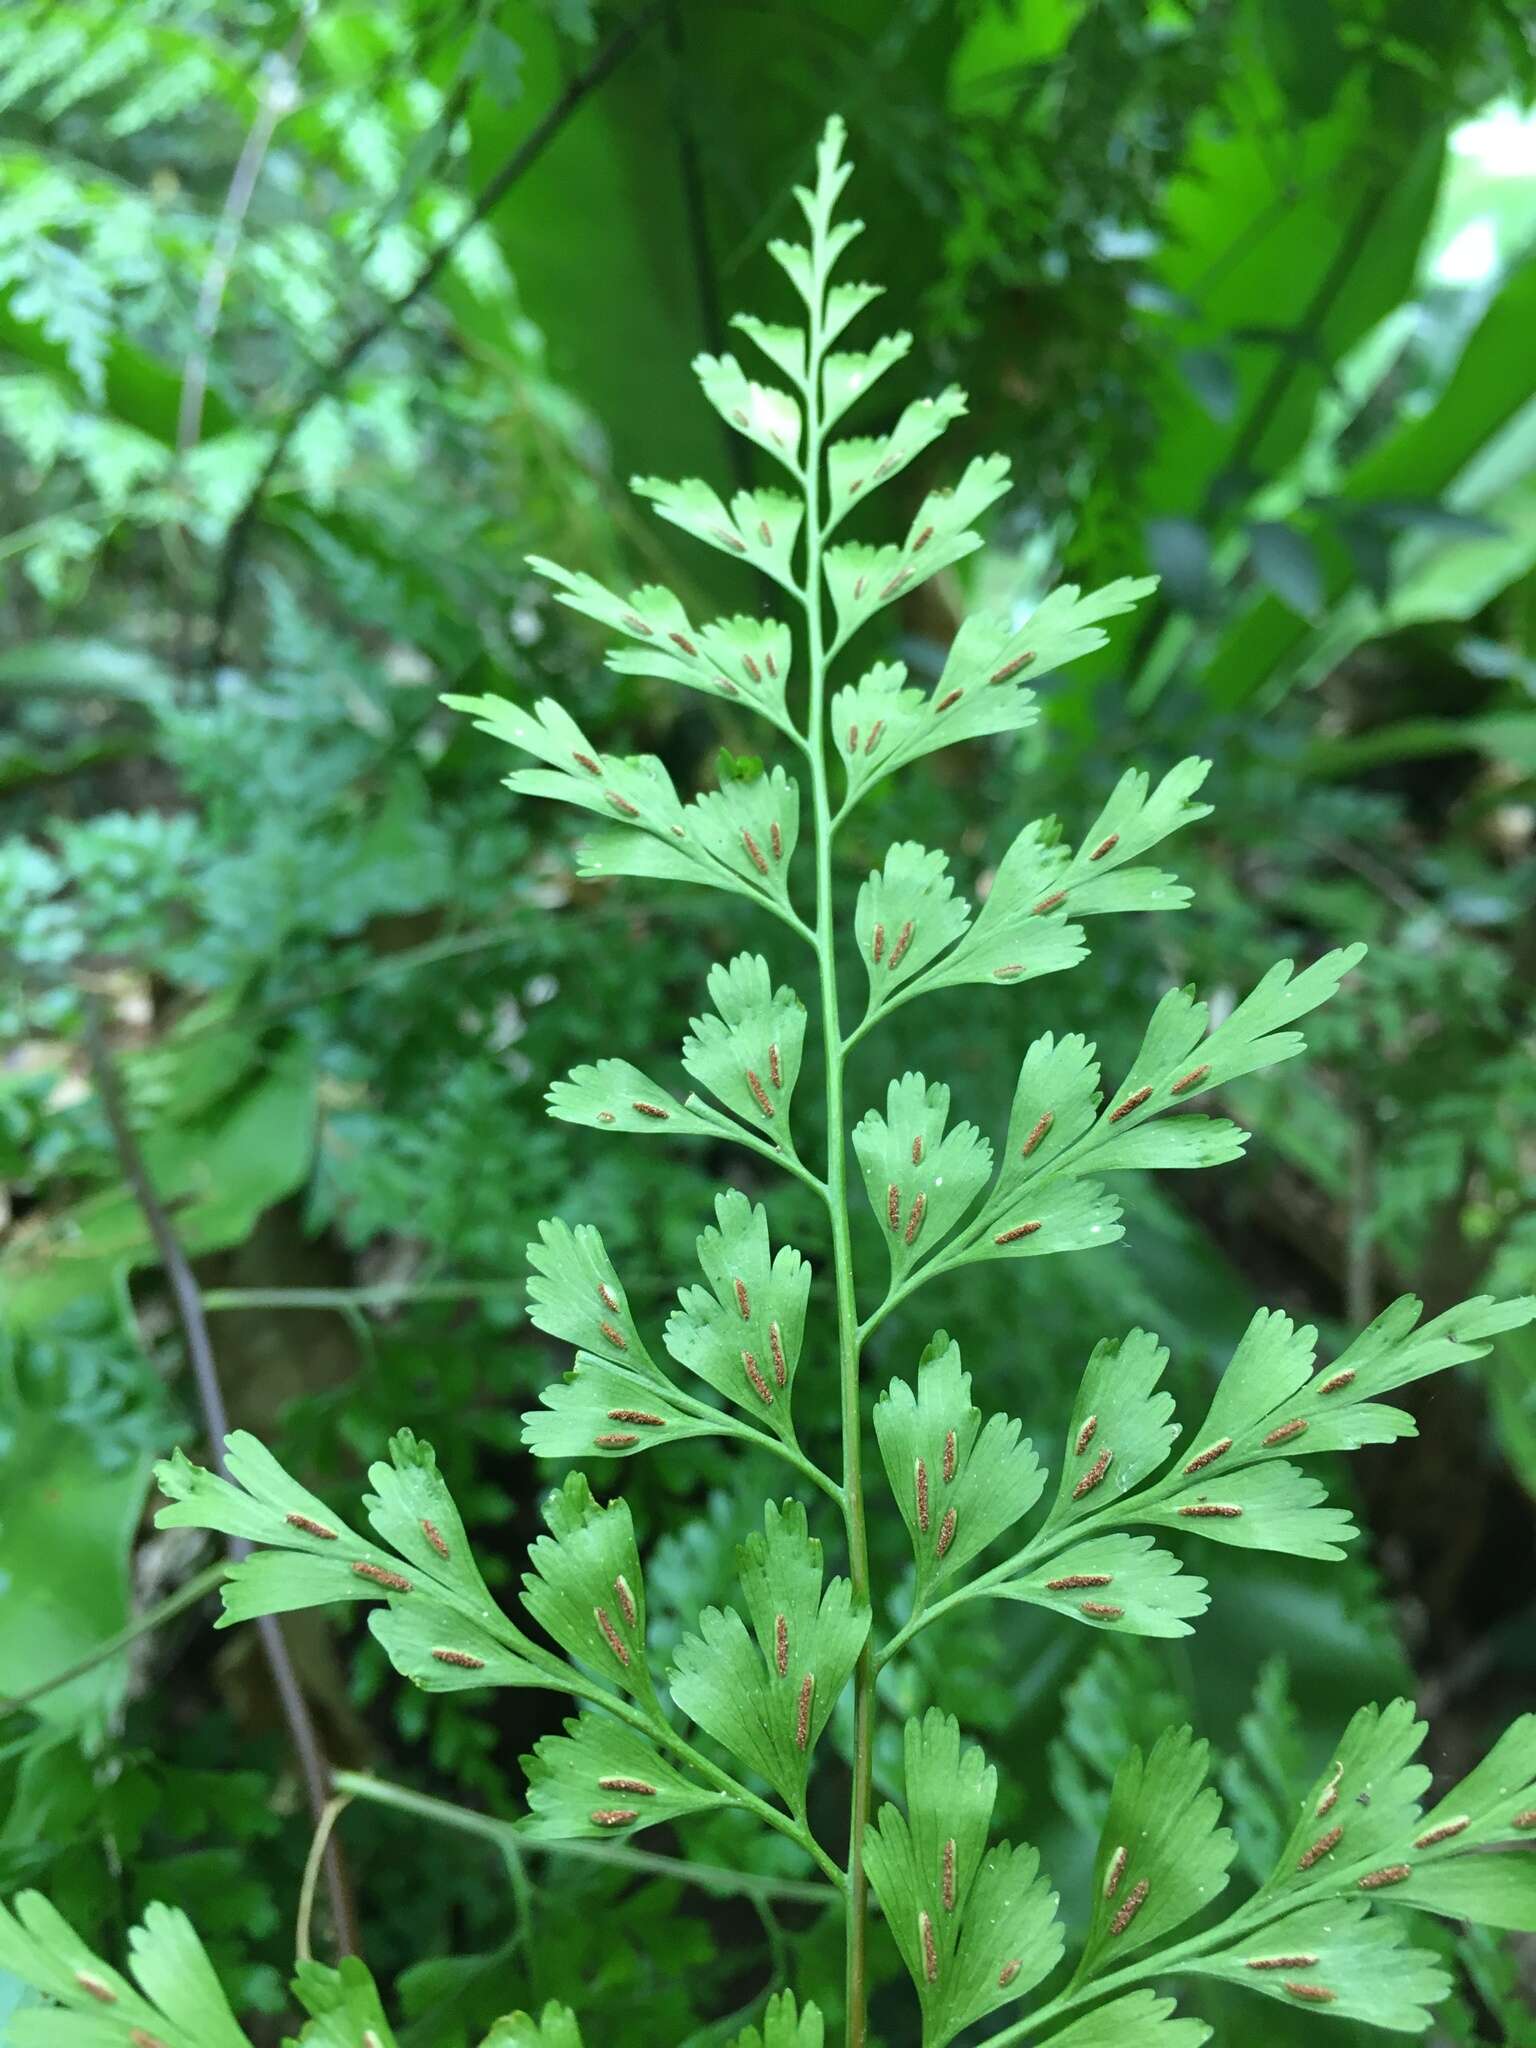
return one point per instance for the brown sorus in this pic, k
(1094, 1475)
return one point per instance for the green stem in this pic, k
(385, 1295)
(507, 1837)
(837, 1191)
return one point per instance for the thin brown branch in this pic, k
(210, 1394)
(330, 376)
(279, 95)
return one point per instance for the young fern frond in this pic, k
(975, 1923)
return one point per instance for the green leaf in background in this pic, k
(1120, 1583)
(1363, 1807)
(784, 2026)
(600, 1778)
(976, 1927)
(615, 1096)
(768, 1695)
(586, 1589)
(66, 1533)
(219, 1167)
(554, 2028)
(959, 1481)
(1121, 1428)
(907, 914)
(604, 1411)
(920, 1178)
(176, 1998)
(742, 1333)
(1163, 1855)
(1341, 1960)
(1141, 2021)
(575, 1294)
(748, 1056)
(343, 2004)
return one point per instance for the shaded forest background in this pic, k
(313, 322)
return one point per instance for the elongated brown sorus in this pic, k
(1094, 1476)
(1443, 1831)
(1338, 1383)
(1010, 668)
(775, 1066)
(946, 1533)
(1135, 1899)
(461, 1658)
(1301, 1961)
(754, 851)
(1297, 1426)
(1311, 1994)
(1211, 1511)
(950, 1453)
(1101, 1610)
(743, 1300)
(626, 1600)
(1086, 1435)
(1115, 1872)
(759, 1093)
(930, 1948)
(652, 1109)
(1105, 846)
(1037, 1134)
(614, 1440)
(1189, 1080)
(781, 1645)
(760, 1386)
(614, 1816)
(94, 1987)
(1209, 1455)
(1016, 1231)
(615, 1336)
(311, 1527)
(898, 951)
(803, 1710)
(637, 1415)
(1389, 1874)
(622, 804)
(1048, 903)
(1074, 1580)
(637, 1786)
(1323, 1846)
(776, 1347)
(611, 1636)
(395, 1582)
(1133, 1101)
(893, 1206)
(1008, 1972)
(915, 1218)
(945, 702)
(947, 1875)
(920, 1489)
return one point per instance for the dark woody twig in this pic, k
(210, 1395)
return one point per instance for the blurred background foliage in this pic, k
(314, 320)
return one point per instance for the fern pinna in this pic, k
(746, 1705)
